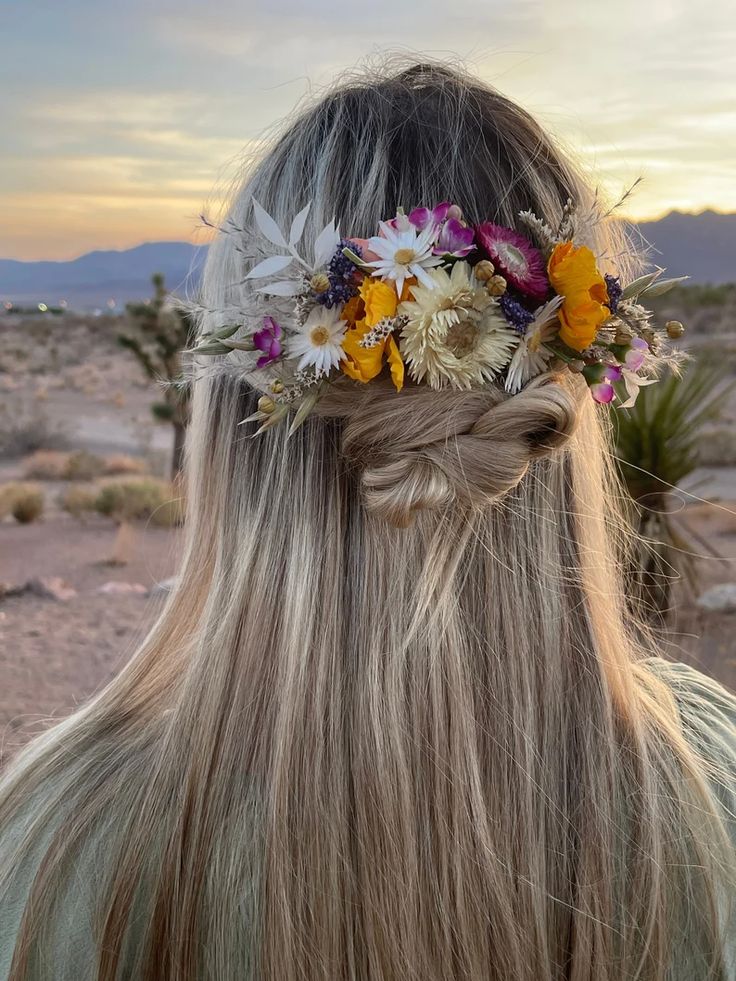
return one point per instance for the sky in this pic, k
(122, 121)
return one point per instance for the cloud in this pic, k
(141, 110)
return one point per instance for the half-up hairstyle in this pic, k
(395, 722)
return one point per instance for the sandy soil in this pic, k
(55, 654)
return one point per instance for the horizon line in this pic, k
(203, 244)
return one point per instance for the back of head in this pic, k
(391, 723)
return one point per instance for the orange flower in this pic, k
(377, 301)
(574, 275)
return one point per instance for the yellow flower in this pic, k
(574, 275)
(379, 300)
(364, 363)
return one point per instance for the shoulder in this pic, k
(707, 709)
(707, 713)
(64, 949)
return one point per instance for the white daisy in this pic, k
(317, 343)
(532, 355)
(403, 252)
(455, 333)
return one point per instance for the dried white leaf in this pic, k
(284, 287)
(325, 244)
(268, 226)
(297, 225)
(268, 267)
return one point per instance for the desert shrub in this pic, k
(120, 463)
(26, 427)
(24, 501)
(46, 465)
(146, 499)
(82, 465)
(78, 500)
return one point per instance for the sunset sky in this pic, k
(121, 121)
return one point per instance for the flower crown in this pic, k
(445, 302)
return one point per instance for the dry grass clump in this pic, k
(146, 499)
(82, 465)
(122, 464)
(78, 500)
(46, 465)
(24, 501)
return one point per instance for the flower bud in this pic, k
(454, 212)
(484, 270)
(674, 329)
(277, 386)
(266, 405)
(319, 283)
(496, 285)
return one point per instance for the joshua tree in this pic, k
(158, 334)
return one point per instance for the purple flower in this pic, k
(341, 274)
(268, 340)
(455, 239)
(613, 285)
(516, 314)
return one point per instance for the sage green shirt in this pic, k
(708, 718)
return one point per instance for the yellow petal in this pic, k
(362, 363)
(380, 300)
(395, 363)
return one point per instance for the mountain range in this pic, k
(701, 246)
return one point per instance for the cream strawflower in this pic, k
(318, 342)
(532, 356)
(404, 252)
(456, 333)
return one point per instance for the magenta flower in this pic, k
(637, 352)
(268, 340)
(421, 217)
(515, 258)
(455, 239)
(600, 378)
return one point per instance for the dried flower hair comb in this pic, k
(448, 303)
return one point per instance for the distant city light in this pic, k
(42, 307)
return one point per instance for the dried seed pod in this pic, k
(277, 386)
(484, 270)
(674, 329)
(266, 405)
(319, 283)
(496, 285)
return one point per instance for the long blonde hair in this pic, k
(395, 721)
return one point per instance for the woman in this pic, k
(395, 721)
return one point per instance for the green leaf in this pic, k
(211, 347)
(662, 286)
(638, 286)
(304, 409)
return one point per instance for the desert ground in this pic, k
(80, 588)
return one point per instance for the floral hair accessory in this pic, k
(447, 303)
